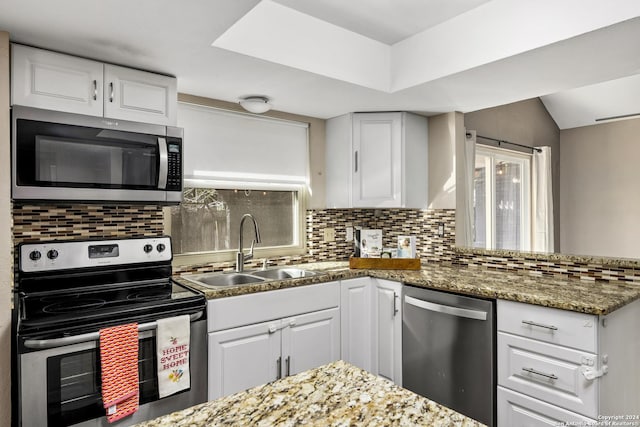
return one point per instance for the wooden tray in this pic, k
(385, 263)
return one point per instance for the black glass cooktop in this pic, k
(79, 309)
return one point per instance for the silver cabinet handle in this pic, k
(356, 160)
(279, 368)
(287, 363)
(541, 374)
(111, 93)
(539, 325)
(395, 303)
(91, 336)
(95, 90)
(164, 164)
(446, 309)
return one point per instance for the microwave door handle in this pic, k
(164, 161)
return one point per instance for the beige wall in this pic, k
(599, 177)
(6, 263)
(444, 129)
(316, 143)
(528, 123)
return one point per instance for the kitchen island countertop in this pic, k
(599, 298)
(337, 394)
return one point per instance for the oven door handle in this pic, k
(92, 336)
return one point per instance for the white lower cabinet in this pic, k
(557, 366)
(371, 328)
(291, 341)
(516, 409)
(242, 358)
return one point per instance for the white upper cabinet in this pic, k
(139, 96)
(377, 160)
(55, 81)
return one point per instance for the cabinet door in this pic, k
(244, 357)
(54, 81)
(139, 96)
(356, 332)
(310, 340)
(387, 333)
(377, 153)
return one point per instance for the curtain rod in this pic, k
(502, 141)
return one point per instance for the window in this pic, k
(234, 164)
(502, 199)
(207, 222)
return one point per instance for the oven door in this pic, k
(87, 160)
(62, 384)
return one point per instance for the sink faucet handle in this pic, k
(253, 243)
(265, 263)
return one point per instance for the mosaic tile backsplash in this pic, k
(393, 222)
(33, 223)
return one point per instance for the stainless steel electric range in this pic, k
(65, 292)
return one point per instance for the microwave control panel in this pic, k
(174, 173)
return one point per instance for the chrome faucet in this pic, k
(241, 257)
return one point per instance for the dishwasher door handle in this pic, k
(446, 309)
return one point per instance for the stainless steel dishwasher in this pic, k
(448, 349)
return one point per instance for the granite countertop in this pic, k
(337, 394)
(590, 297)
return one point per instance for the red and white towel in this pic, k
(119, 360)
(173, 346)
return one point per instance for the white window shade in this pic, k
(224, 149)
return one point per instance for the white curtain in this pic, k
(468, 154)
(542, 199)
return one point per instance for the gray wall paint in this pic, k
(599, 176)
(527, 123)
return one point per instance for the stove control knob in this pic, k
(148, 248)
(35, 255)
(52, 254)
(161, 247)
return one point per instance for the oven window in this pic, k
(74, 385)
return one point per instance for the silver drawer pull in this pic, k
(539, 325)
(542, 374)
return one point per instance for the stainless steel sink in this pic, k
(284, 273)
(216, 280)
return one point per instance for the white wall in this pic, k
(6, 264)
(600, 200)
(443, 131)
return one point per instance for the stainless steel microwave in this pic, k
(60, 156)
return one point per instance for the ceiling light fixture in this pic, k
(255, 104)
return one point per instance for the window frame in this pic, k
(494, 155)
(229, 255)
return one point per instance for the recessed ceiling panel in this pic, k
(387, 21)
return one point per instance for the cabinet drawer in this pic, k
(562, 327)
(518, 410)
(231, 312)
(547, 372)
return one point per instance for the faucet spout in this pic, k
(241, 257)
